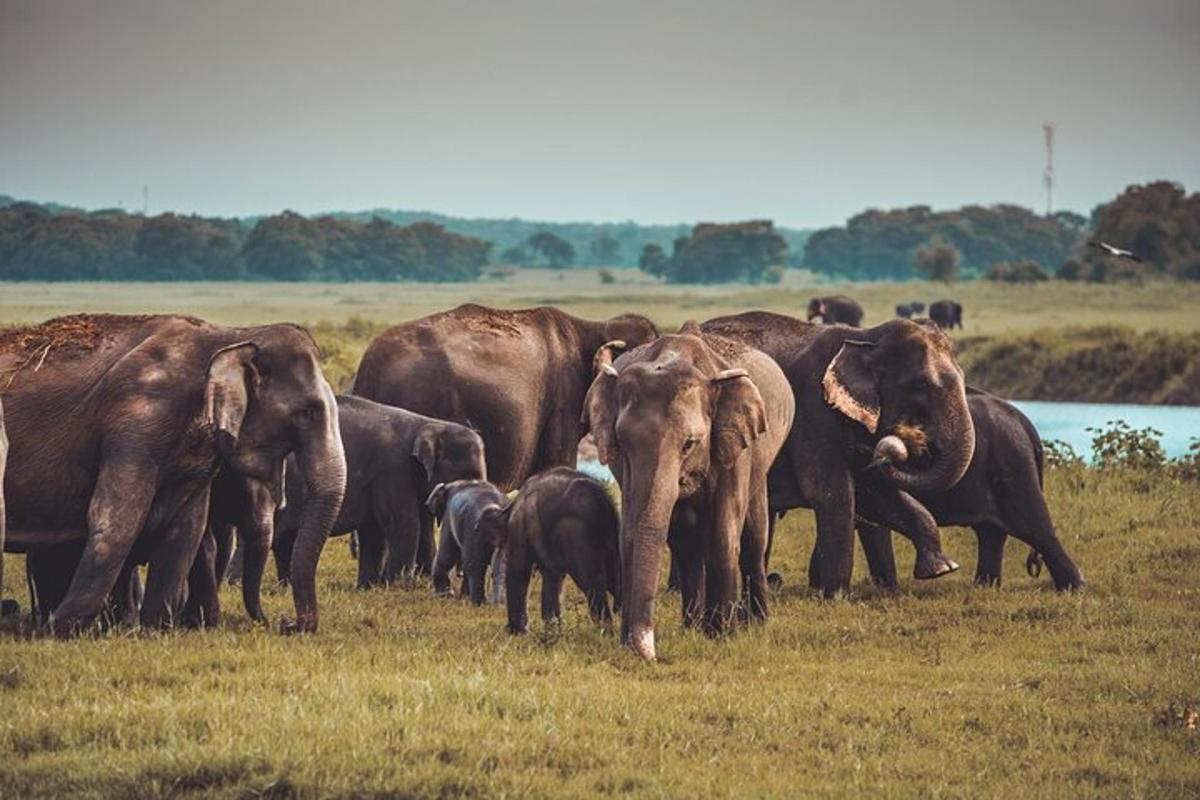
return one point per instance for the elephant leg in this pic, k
(203, 607)
(881, 558)
(835, 536)
(685, 551)
(48, 571)
(891, 508)
(282, 544)
(1028, 519)
(516, 579)
(447, 556)
(117, 512)
(754, 555)
(551, 597)
(173, 557)
(499, 566)
(226, 565)
(673, 576)
(991, 554)
(128, 600)
(401, 527)
(256, 529)
(370, 556)
(722, 562)
(774, 579)
(425, 545)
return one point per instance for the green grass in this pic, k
(944, 690)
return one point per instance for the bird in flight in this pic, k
(1115, 252)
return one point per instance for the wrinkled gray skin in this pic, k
(853, 388)
(394, 459)
(458, 507)
(564, 523)
(946, 313)
(517, 377)
(116, 436)
(910, 310)
(6, 606)
(835, 310)
(1000, 495)
(690, 425)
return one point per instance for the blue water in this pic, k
(1069, 422)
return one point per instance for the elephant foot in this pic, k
(775, 581)
(933, 565)
(517, 630)
(1075, 583)
(987, 579)
(9, 607)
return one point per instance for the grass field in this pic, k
(944, 690)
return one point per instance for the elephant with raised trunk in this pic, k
(689, 425)
(1000, 495)
(854, 391)
(836, 309)
(516, 377)
(117, 425)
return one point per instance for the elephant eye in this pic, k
(690, 443)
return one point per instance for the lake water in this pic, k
(1069, 422)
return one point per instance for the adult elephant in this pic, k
(909, 310)
(836, 309)
(853, 389)
(517, 377)
(117, 425)
(1000, 495)
(946, 313)
(689, 425)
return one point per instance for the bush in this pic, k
(606, 276)
(1061, 455)
(1119, 445)
(1072, 270)
(1021, 272)
(774, 274)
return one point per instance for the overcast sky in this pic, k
(653, 110)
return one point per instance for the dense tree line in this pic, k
(883, 245)
(1159, 222)
(719, 253)
(36, 244)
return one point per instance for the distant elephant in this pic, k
(835, 309)
(1000, 494)
(689, 425)
(459, 506)
(910, 310)
(564, 523)
(946, 313)
(853, 389)
(394, 458)
(517, 377)
(117, 425)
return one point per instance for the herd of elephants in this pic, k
(164, 440)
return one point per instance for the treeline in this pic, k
(599, 244)
(743, 252)
(882, 245)
(36, 244)
(1159, 222)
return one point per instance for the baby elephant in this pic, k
(564, 523)
(459, 506)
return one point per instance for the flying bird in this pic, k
(1115, 252)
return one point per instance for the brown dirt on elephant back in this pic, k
(481, 319)
(725, 348)
(64, 337)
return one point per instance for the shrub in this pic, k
(606, 276)
(1118, 445)
(1059, 454)
(774, 274)
(1072, 270)
(1021, 272)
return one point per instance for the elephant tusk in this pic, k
(889, 450)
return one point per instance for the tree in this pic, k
(653, 260)
(937, 260)
(1021, 272)
(517, 255)
(715, 253)
(605, 250)
(558, 252)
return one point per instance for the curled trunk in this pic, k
(952, 445)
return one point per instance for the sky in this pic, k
(659, 111)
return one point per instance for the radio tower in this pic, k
(1048, 175)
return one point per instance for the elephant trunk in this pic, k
(648, 511)
(322, 463)
(952, 445)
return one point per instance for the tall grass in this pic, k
(943, 690)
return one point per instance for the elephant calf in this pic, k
(458, 506)
(564, 523)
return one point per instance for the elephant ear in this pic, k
(741, 415)
(436, 502)
(599, 415)
(850, 385)
(425, 449)
(231, 380)
(493, 524)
